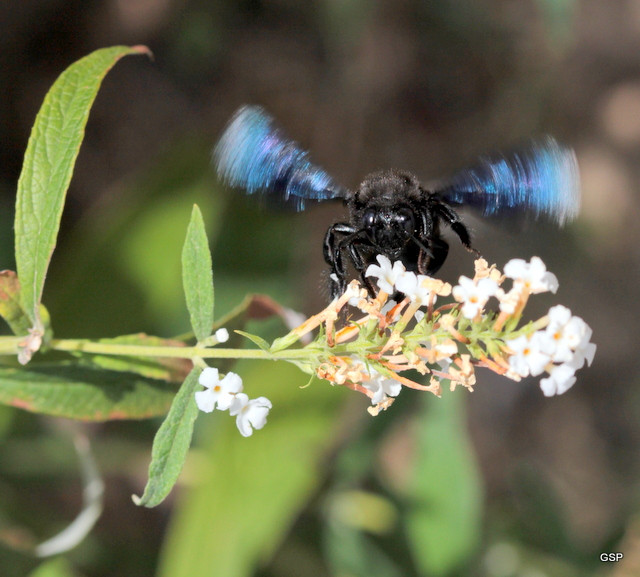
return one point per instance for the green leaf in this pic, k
(58, 567)
(48, 165)
(355, 553)
(197, 276)
(285, 342)
(11, 309)
(255, 339)
(445, 495)
(249, 490)
(65, 390)
(171, 444)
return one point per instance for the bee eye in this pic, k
(404, 220)
(369, 218)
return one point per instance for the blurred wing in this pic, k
(254, 155)
(541, 180)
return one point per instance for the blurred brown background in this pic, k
(425, 86)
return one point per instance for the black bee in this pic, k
(391, 213)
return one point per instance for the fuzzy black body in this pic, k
(392, 215)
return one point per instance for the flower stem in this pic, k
(85, 346)
(10, 345)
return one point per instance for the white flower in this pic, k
(566, 338)
(559, 315)
(578, 333)
(473, 295)
(555, 337)
(561, 378)
(381, 387)
(250, 414)
(528, 357)
(532, 274)
(559, 340)
(386, 274)
(413, 287)
(221, 335)
(584, 354)
(509, 300)
(217, 392)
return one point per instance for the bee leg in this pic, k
(431, 263)
(433, 249)
(332, 250)
(452, 218)
(351, 243)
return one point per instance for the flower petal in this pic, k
(238, 403)
(206, 400)
(209, 377)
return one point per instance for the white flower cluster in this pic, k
(561, 349)
(392, 277)
(528, 278)
(226, 395)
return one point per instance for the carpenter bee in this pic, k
(391, 213)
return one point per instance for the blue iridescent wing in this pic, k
(254, 155)
(542, 180)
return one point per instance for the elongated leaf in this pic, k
(171, 444)
(197, 276)
(48, 165)
(255, 339)
(84, 393)
(445, 496)
(250, 490)
(11, 309)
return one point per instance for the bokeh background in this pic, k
(499, 483)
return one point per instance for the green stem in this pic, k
(9, 345)
(80, 345)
